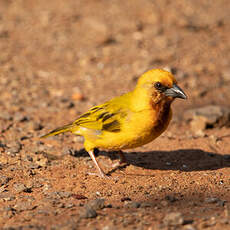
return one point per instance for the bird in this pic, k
(130, 120)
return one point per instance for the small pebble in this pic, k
(4, 180)
(5, 116)
(189, 227)
(109, 227)
(164, 203)
(19, 187)
(88, 212)
(96, 204)
(173, 219)
(125, 199)
(132, 204)
(146, 205)
(211, 200)
(23, 206)
(225, 221)
(171, 198)
(32, 165)
(7, 197)
(79, 197)
(37, 126)
(58, 195)
(16, 148)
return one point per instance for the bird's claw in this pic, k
(101, 175)
(119, 164)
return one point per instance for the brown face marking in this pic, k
(156, 97)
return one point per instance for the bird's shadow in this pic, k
(187, 160)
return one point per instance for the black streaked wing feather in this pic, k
(114, 126)
(104, 117)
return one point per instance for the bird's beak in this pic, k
(175, 92)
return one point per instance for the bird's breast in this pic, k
(161, 116)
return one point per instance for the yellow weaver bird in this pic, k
(131, 120)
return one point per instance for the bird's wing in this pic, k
(106, 117)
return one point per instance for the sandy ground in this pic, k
(59, 58)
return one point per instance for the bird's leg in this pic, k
(122, 159)
(101, 173)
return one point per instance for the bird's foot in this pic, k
(100, 174)
(123, 161)
(120, 164)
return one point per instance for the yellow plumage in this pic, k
(131, 120)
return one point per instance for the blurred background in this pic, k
(55, 51)
(58, 58)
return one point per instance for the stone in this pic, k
(23, 206)
(211, 200)
(198, 123)
(189, 227)
(109, 227)
(132, 204)
(19, 187)
(15, 148)
(88, 212)
(215, 200)
(123, 199)
(5, 115)
(96, 204)
(208, 117)
(146, 205)
(7, 196)
(79, 197)
(4, 180)
(171, 198)
(173, 219)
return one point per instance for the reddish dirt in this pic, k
(59, 58)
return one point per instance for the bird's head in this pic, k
(161, 85)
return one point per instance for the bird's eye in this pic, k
(158, 85)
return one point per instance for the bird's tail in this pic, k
(62, 129)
